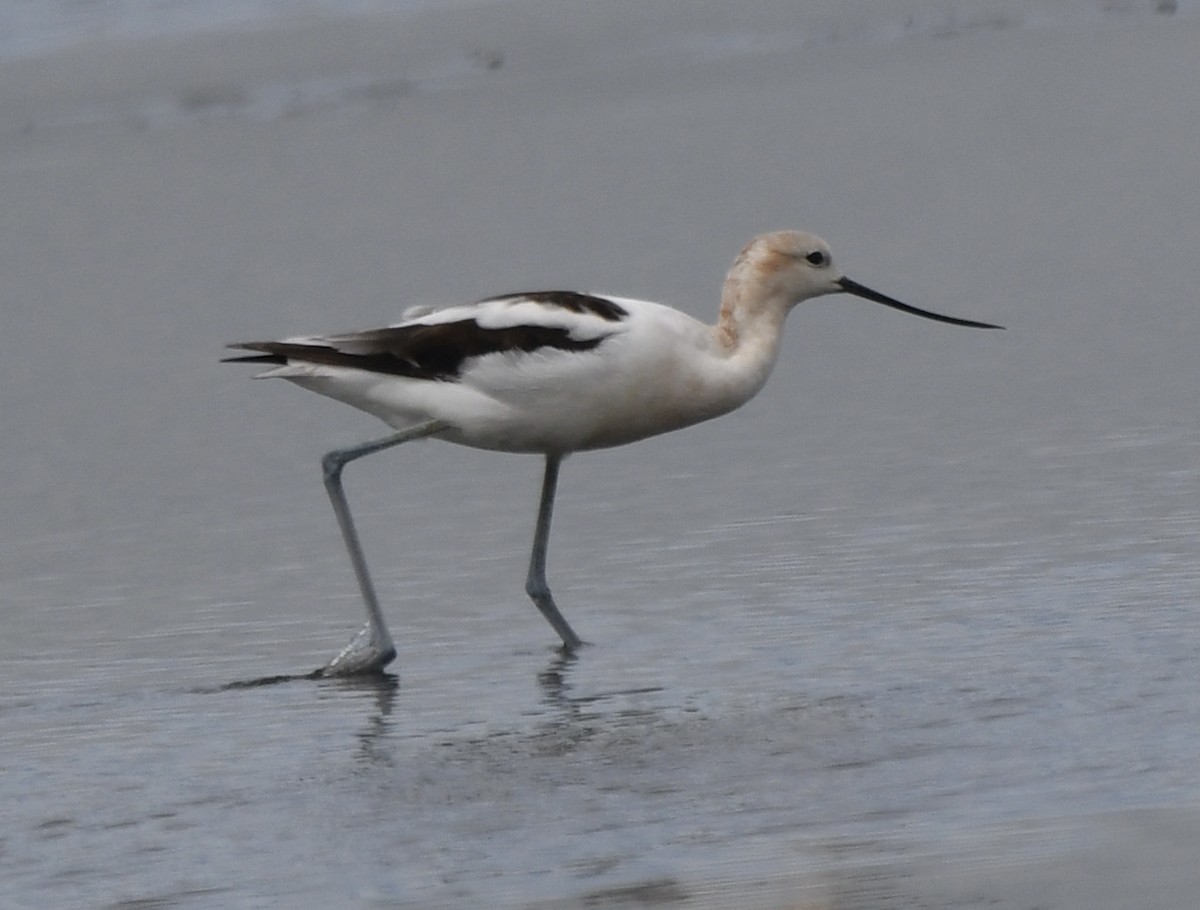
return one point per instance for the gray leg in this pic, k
(535, 581)
(371, 649)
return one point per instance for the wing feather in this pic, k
(439, 345)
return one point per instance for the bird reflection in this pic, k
(555, 683)
(380, 687)
(383, 687)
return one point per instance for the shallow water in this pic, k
(918, 627)
(767, 700)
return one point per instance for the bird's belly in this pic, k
(612, 414)
(565, 433)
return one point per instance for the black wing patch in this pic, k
(434, 352)
(570, 300)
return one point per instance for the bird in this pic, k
(553, 373)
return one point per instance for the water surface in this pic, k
(917, 627)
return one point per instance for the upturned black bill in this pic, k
(858, 290)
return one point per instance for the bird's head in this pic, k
(792, 266)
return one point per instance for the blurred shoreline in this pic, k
(290, 61)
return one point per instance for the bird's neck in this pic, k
(752, 316)
(749, 333)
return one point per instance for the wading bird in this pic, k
(554, 372)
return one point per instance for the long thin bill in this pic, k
(858, 290)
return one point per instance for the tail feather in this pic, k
(281, 356)
(256, 358)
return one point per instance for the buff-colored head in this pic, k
(783, 268)
(787, 266)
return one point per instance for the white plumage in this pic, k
(652, 370)
(555, 372)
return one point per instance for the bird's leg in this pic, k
(371, 649)
(535, 581)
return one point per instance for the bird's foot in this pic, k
(364, 655)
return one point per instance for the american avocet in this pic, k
(554, 372)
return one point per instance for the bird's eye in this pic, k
(818, 257)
